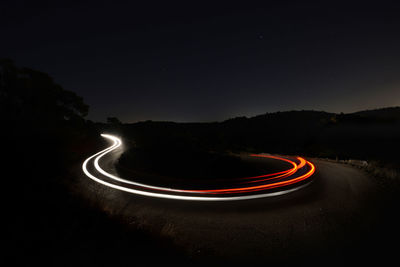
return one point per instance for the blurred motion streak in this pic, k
(277, 183)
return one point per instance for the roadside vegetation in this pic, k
(371, 136)
(45, 136)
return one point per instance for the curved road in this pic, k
(328, 218)
(260, 186)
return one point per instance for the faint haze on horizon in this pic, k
(189, 63)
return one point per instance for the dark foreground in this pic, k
(344, 216)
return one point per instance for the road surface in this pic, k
(331, 218)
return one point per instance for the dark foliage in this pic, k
(45, 138)
(368, 135)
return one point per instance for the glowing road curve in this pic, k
(267, 185)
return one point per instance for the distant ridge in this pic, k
(386, 113)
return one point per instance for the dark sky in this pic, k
(197, 62)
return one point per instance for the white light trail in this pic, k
(117, 143)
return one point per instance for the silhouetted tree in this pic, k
(113, 121)
(31, 95)
(35, 109)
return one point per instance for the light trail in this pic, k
(281, 180)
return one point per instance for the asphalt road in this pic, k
(334, 217)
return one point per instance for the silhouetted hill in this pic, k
(366, 135)
(385, 114)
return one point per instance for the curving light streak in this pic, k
(285, 174)
(161, 192)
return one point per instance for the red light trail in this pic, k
(266, 185)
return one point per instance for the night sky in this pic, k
(197, 62)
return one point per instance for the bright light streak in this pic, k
(191, 194)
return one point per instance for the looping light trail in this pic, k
(267, 185)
